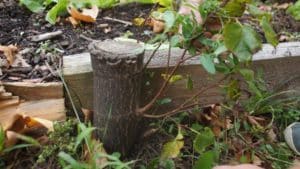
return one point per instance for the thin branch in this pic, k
(163, 87)
(170, 113)
(169, 56)
(151, 57)
(183, 105)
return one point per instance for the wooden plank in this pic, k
(50, 109)
(35, 91)
(11, 102)
(280, 65)
(2, 90)
(5, 96)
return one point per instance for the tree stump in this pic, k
(117, 68)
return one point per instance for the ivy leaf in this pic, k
(203, 140)
(205, 161)
(172, 149)
(208, 63)
(58, 9)
(270, 34)
(294, 10)
(242, 40)
(33, 5)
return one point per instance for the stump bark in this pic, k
(117, 82)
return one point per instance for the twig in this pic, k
(170, 113)
(151, 103)
(183, 105)
(168, 61)
(86, 38)
(46, 36)
(151, 57)
(117, 20)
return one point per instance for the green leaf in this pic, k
(203, 140)
(205, 161)
(242, 40)
(69, 159)
(256, 12)
(167, 164)
(208, 63)
(165, 3)
(189, 83)
(187, 28)
(175, 41)
(236, 8)
(172, 149)
(173, 78)
(84, 133)
(2, 139)
(33, 5)
(294, 10)
(270, 34)
(106, 3)
(164, 101)
(248, 74)
(169, 18)
(58, 9)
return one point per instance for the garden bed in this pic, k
(40, 85)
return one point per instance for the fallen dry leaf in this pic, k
(25, 125)
(138, 21)
(158, 26)
(73, 21)
(87, 15)
(9, 52)
(88, 114)
(281, 6)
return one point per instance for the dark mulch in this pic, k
(17, 25)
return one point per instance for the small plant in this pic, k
(61, 139)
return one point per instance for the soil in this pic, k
(18, 25)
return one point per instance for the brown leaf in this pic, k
(158, 26)
(38, 122)
(73, 21)
(87, 15)
(88, 114)
(9, 52)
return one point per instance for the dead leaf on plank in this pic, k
(24, 125)
(9, 52)
(87, 15)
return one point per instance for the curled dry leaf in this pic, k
(20, 124)
(73, 21)
(87, 15)
(157, 25)
(9, 52)
(88, 114)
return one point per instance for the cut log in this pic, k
(280, 66)
(117, 82)
(50, 109)
(35, 91)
